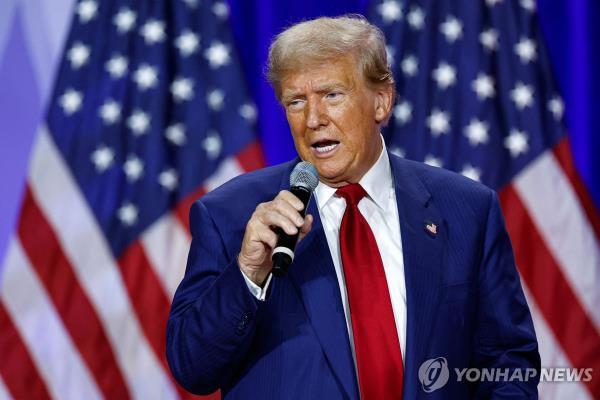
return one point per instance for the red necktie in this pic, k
(378, 353)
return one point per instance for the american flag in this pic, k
(148, 112)
(475, 95)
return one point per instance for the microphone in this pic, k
(303, 180)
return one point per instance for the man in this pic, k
(398, 263)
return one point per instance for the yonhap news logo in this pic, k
(434, 374)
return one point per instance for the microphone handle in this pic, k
(283, 254)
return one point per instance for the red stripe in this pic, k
(72, 304)
(561, 308)
(16, 366)
(562, 152)
(182, 210)
(251, 157)
(149, 301)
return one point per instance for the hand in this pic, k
(260, 238)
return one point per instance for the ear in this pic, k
(384, 97)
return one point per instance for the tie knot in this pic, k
(353, 193)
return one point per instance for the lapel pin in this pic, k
(431, 228)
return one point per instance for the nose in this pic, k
(316, 115)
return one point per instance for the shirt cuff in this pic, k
(259, 292)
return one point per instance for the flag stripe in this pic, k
(4, 395)
(16, 366)
(166, 243)
(566, 317)
(552, 356)
(85, 246)
(147, 296)
(554, 208)
(562, 152)
(69, 299)
(33, 315)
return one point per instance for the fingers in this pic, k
(282, 212)
(305, 229)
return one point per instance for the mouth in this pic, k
(324, 148)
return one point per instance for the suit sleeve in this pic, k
(212, 318)
(505, 337)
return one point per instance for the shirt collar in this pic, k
(377, 182)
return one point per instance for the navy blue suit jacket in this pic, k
(464, 297)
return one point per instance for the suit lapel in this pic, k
(423, 239)
(313, 275)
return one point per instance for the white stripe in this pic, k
(46, 25)
(85, 246)
(228, 169)
(552, 356)
(4, 394)
(167, 244)
(7, 14)
(54, 354)
(557, 213)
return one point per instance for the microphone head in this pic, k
(305, 175)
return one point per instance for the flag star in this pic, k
(153, 31)
(87, 10)
(492, 3)
(248, 112)
(70, 101)
(403, 112)
(556, 107)
(390, 52)
(477, 132)
(516, 142)
(212, 145)
(409, 65)
(221, 10)
(217, 55)
(434, 162)
(528, 5)
(176, 134)
(398, 151)
(438, 122)
(182, 89)
(78, 55)
(483, 85)
(489, 39)
(124, 20)
(133, 168)
(215, 99)
(390, 11)
(191, 3)
(471, 172)
(451, 29)
(128, 214)
(110, 112)
(522, 95)
(168, 179)
(187, 43)
(416, 18)
(145, 77)
(525, 49)
(138, 122)
(444, 75)
(102, 158)
(116, 66)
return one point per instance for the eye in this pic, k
(333, 95)
(295, 104)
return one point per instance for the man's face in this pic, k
(334, 118)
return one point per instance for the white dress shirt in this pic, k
(381, 212)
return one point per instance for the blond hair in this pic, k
(325, 39)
